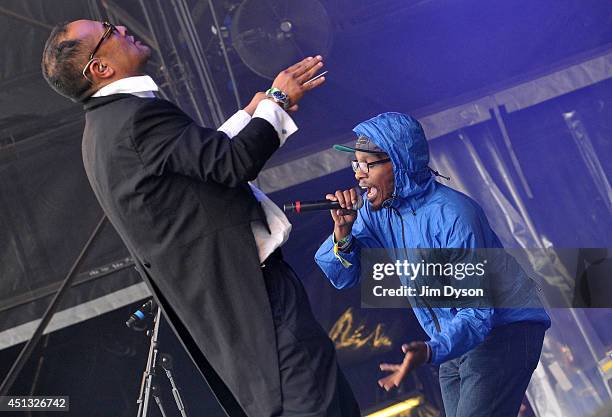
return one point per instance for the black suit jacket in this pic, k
(177, 195)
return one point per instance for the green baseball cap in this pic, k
(363, 144)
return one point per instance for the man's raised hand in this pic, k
(292, 81)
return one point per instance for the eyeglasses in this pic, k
(365, 166)
(110, 28)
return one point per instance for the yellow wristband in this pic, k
(344, 262)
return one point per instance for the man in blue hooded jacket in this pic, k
(487, 355)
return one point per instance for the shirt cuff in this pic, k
(277, 117)
(235, 124)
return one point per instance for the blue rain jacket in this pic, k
(433, 216)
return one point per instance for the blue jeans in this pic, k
(491, 379)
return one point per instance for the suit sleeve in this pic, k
(169, 141)
(470, 326)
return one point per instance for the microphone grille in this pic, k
(359, 202)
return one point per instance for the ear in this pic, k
(100, 70)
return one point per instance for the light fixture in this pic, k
(396, 409)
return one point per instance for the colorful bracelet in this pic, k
(342, 245)
(345, 242)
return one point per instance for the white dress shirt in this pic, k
(144, 86)
(141, 86)
(277, 221)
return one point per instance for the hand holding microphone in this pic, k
(343, 218)
(343, 206)
(299, 206)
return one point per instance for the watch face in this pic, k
(279, 95)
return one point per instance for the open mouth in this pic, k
(372, 192)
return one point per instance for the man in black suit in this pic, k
(179, 197)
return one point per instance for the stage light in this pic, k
(396, 409)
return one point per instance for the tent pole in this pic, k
(27, 350)
(33, 22)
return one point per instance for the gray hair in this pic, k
(62, 63)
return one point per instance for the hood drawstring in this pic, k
(387, 203)
(396, 211)
(437, 174)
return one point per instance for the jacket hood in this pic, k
(402, 138)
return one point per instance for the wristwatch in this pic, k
(278, 96)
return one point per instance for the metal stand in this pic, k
(148, 387)
(166, 363)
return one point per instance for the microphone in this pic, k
(146, 310)
(302, 206)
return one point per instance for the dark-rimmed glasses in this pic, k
(365, 166)
(110, 28)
